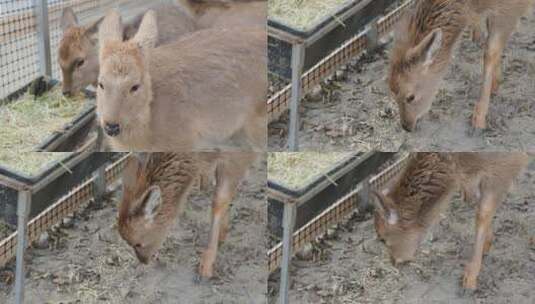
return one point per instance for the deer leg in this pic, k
(226, 185)
(485, 212)
(497, 38)
(224, 227)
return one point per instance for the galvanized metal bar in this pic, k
(43, 37)
(23, 210)
(100, 184)
(288, 222)
(364, 195)
(298, 60)
(372, 35)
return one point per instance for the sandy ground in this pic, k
(357, 112)
(90, 263)
(352, 266)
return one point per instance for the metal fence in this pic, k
(30, 32)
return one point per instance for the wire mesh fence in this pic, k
(20, 35)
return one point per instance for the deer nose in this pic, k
(112, 129)
(408, 126)
(67, 93)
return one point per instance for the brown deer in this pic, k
(203, 92)
(78, 48)
(425, 188)
(155, 190)
(424, 45)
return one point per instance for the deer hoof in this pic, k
(198, 279)
(475, 131)
(469, 279)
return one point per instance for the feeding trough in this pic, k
(322, 35)
(49, 182)
(289, 49)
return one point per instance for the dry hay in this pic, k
(303, 14)
(29, 163)
(27, 122)
(296, 169)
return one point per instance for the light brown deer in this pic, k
(425, 188)
(155, 190)
(203, 92)
(78, 48)
(424, 45)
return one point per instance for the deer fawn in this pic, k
(203, 92)
(78, 49)
(423, 49)
(155, 188)
(426, 186)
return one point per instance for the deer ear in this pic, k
(428, 49)
(383, 206)
(93, 27)
(152, 200)
(68, 19)
(147, 35)
(111, 29)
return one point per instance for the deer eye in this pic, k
(410, 99)
(138, 245)
(100, 85)
(134, 88)
(80, 63)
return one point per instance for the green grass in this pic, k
(302, 14)
(296, 169)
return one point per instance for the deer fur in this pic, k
(203, 92)
(156, 188)
(424, 190)
(78, 48)
(424, 45)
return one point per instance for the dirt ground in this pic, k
(356, 111)
(352, 266)
(90, 263)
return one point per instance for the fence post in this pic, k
(100, 184)
(288, 223)
(298, 59)
(372, 35)
(364, 195)
(43, 37)
(23, 210)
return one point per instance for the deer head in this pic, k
(415, 73)
(124, 92)
(77, 56)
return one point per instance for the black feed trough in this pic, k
(74, 134)
(351, 19)
(51, 183)
(324, 190)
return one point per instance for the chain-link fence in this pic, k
(28, 42)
